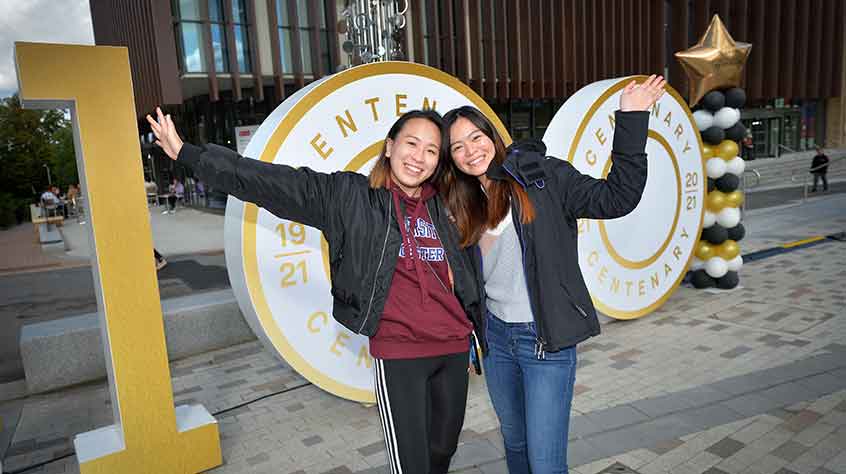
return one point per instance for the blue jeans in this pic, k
(531, 397)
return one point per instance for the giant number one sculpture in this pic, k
(149, 435)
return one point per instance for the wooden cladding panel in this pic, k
(803, 13)
(501, 42)
(514, 39)
(786, 52)
(679, 42)
(255, 59)
(433, 30)
(448, 36)
(417, 28)
(772, 18)
(838, 44)
(488, 50)
(827, 31)
(462, 59)
(296, 47)
(475, 46)
(529, 49)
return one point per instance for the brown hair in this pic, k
(475, 211)
(380, 175)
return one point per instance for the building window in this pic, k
(218, 33)
(284, 28)
(189, 30)
(241, 28)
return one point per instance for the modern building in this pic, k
(218, 64)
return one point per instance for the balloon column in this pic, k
(714, 67)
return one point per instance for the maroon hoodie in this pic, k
(422, 316)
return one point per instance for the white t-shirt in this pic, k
(49, 198)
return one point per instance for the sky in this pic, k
(48, 21)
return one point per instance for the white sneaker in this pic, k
(165, 211)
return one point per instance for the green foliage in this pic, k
(30, 139)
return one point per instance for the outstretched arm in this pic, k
(619, 193)
(298, 194)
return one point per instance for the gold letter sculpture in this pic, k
(149, 435)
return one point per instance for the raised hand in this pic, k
(641, 96)
(166, 136)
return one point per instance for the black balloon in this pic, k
(714, 101)
(716, 234)
(728, 281)
(713, 135)
(727, 182)
(711, 184)
(737, 233)
(736, 132)
(700, 279)
(735, 97)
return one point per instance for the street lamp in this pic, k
(49, 179)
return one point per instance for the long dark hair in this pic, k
(474, 211)
(380, 175)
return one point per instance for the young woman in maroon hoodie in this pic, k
(398, 272)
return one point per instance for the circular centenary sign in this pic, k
(633, 264)
(279, 269)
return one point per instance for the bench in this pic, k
(69, 351)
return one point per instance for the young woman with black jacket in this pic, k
(398, 273)
(521, 207)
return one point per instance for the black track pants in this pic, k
(421, 405)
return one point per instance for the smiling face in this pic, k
(470, 149)
(414, 154)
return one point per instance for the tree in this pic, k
(30, 139)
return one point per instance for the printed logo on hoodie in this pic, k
(424, 229)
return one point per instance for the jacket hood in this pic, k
(523, 163)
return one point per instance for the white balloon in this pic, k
(696, 264)
(735, 264)
(715, 167)
(735, 166)
(726, 117)
(709, 219)
(716, 267)
(704, 119)
(728, 217)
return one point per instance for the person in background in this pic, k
(49, 201)
(175, 191)
(179, 190)
(819, 168)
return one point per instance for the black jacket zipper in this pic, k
(378, 267)
(518, 225)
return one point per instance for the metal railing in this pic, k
(745, 180)
(808, 173)
(782, 147)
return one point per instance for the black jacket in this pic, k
(561, 305)
(358, 222)
(820, 160)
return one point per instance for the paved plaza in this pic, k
(746, 381)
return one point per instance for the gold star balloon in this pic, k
(715, 62)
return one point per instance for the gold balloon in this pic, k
(715, 201)
(727, 149)
(734, 199)
(728, 250)
(715, 62)
(707, 152)
(704, 250)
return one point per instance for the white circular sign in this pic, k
(631, 265)
(279, 269)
